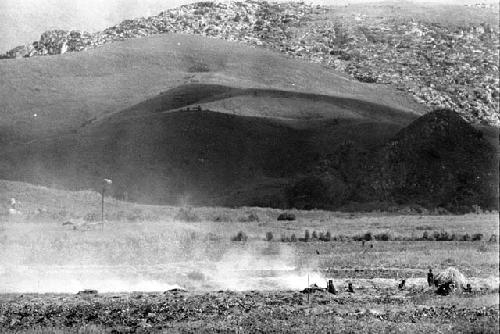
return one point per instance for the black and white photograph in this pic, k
(249, 166)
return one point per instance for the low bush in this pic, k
(477, 237)
(386, 236)
(269, 236)
(423, 228)
(241, 236)
(465, 237)
(286, 216)
(307, 236)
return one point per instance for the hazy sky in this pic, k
(22, 21)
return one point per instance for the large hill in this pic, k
(176, 118)
(67, 91)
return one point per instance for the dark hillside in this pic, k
(439, 160)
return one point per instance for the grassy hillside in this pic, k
(67, 91)
(176, 119)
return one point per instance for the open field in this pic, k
(166, 253)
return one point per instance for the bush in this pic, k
(269, 236)
(383, 236)
(241, 236)
(466, 237)
(477, 237)
(425, 236)
(286, 216)
(423, 228)
(293, 238)
(368, 236)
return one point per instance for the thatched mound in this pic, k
(451, 276)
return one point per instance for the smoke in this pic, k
(128, 257)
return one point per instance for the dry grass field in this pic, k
(260, 281)
(234, 286)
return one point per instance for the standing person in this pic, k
(430, 277)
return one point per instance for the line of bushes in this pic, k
(385, 236)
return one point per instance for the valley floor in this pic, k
(387, 311)
(241, 286)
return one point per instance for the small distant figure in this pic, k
(317, 252)
(363, 243)
(350, 288)
(430, 278)
(401, 285)
(198, 108)
(468, 288)
(436, 283)
(371, 246)
(330, 288)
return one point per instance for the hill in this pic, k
(70, 90)
(174, 119)
(439, 160)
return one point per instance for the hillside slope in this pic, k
(439, 160)
(67, 91)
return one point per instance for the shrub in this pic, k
(425, 236)
(269, 236)
(466, 237)
(423, 228)
(477, 237)
(444, 236)
(386, 236)
(368, 236)
(283, 238)
(293, 238)
(241, 236)
(286, 216)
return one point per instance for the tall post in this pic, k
(102, 203)
(104, 183)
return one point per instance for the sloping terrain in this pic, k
(440, 160)
(67, 91)
(183, 118)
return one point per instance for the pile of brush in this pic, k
(449, 281)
